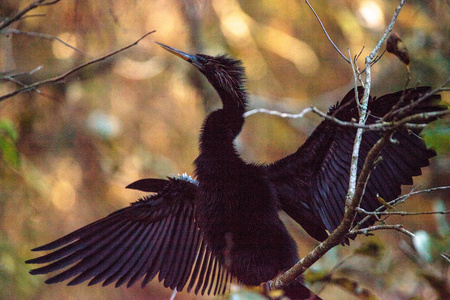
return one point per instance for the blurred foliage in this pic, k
(138, 114)
(8, 138)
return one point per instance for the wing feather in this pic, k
(155, 235)
(325, 159)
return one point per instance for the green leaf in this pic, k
(7, 129)
(437, 136)
(317, 276)
(354, 288)
(9, 152)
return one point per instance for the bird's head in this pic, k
(226, 75)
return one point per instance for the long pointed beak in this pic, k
(187, 57)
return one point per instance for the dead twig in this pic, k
(326, 33)
(40, 35)
(402, 213)
(382, 126)
(71, 71)
(366, 231)
(398, 201)
(8, 21)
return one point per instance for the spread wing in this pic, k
(316, 176)
(157, 234)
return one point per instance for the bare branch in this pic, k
(400, 111)
(326, 33)
(387, 32)
(40, 35)
(280, 114)
(71, 71)
(402, 213)
(367, 230)
(20, 83)
(4, 75)
(33, 16)
(21, 13)
(400, 200)
(356, 184)
(383, 126)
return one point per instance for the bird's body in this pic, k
(237, 211)
(225, 224)
(237, 208)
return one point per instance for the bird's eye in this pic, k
(201, 60)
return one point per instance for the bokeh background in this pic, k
(69, 150)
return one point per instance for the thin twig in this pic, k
(71, 71)
(399, 200)
(18, 82)
(40, 35)
(387, 32)
(374, 61)
(402, 213)
(326, 33)
(446, 187)
(33, 16)
(401, 111)
(13, 75)
(383, 126)
(21, 13)
(355, 78)
(367, 230)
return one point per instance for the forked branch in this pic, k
(65, 75)
(356, 185)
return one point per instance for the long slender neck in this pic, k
(218, 158)
(234, 100)
(222, 126)
(220, 129)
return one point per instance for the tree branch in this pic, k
(356, 185)
(397, 201)
(366, 231)
(71, 71)
(282, 114)
(401, 111)
(6, 22)
(402, 213)
(40, 35)
(326, 33)
(379, 126)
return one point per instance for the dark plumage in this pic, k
(201, 233)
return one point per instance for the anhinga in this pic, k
(201, 233)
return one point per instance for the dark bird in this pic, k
(201, 233)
